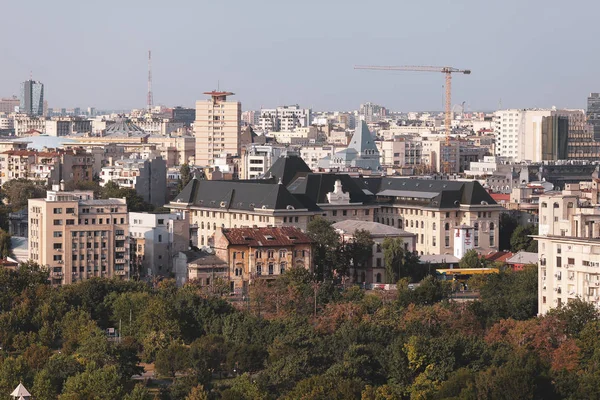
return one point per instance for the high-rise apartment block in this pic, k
(8, 105)
(32, 98)
(533, 135)
(568, 247)
(76, 237)
(284, 118)
(593, 113)
(217, 127)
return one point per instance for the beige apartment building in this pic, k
(431, 209)
(568, 249)
(217, 127)
(76, 237)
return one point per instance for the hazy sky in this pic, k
(528, 53)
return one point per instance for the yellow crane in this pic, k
(448, 71)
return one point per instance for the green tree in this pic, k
(19, 191)
(575, 315)
(173, 359)
(185, 176)
(197, 393)
(94, 384)
(244, 388)
(5, 244)
(135, 202)
(393, 258)
(361, 248)
(471, 259)
(325, 247)
(43, 387)
(139, 392)
(508, 294)
(508, 224)
(520, 240)
(323, 387)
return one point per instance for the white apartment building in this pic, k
(156, 240)
(568, 249)
(25, 124)
(312, 154)
(284, 118)
(527, 135)
(391, 153)
(157, 126)
(217, 127)
(257, 159)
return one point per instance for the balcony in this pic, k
(120, 261)
(58, 274)
(120, 249)
(120, 237)
(120, 272)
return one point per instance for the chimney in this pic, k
(62, 185)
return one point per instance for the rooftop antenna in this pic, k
(150, 99)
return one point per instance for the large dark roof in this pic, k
(436, 193)
(287, 168)
(241, 195)
(316, 187)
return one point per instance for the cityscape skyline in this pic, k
(304, 56)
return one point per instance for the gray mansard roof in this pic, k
(241, 195)
(438, 193)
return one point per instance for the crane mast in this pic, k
(447, 71)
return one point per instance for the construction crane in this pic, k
(448, 71)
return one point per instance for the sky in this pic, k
(522, 53)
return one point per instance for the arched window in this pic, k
(282, 267)
(569, 205)
(214, 226)
(259, 270)
(411, 223)
(399, 224)
(434, 226)
(271, 269)
(378, 278)
(422, 224)
(282, 253)
(491, 226)
(556, 205)
(447, 227)
(544, 205)
(202, 225)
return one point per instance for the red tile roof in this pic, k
(500, 197)
(499, 256)
(266, 237)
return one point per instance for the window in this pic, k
(58, 211)
(271, 269)
(434, 226)
(70, 211)
(570, 261)
(334, 212)
(161, 221)
(282, 268)
(159, 238)
(282, 253)
(378, 262)
(57, 234)
(259, 270)
(433, 241)
(378, 278)
(258, 254)
(270, 254)
(57, 246)
(58, 222)
(57, 257)
(344, 213)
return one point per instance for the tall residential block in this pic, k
(32, 98)
(217, 127)
(76, 237)
(568, 247)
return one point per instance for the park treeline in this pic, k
(293, 338)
